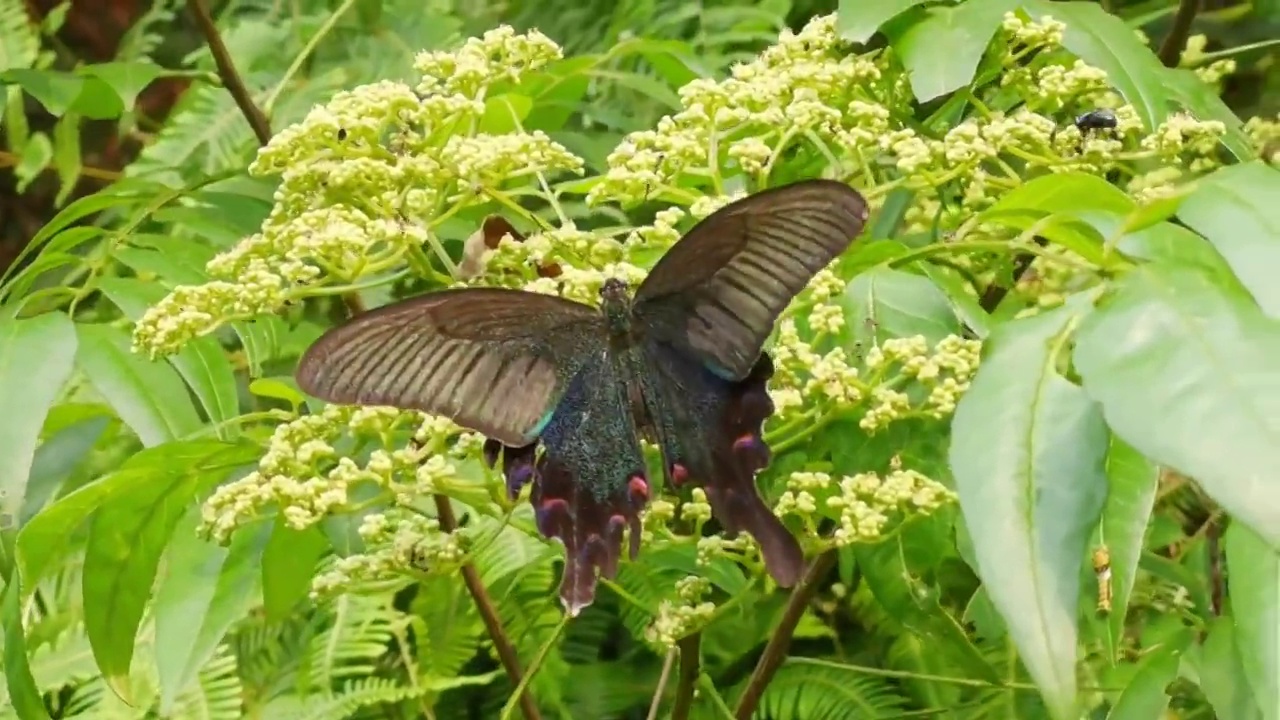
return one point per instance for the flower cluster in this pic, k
(863, 504)
(365, 180)
(304, 477)
(680, 617)
(396, 542)
(807, 379)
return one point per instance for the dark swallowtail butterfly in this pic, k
(680, 363)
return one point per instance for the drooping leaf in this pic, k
(1221, 675)
(1254, 584)
(1132, 482)
(1028, 450)
(1183, 364)
(24, 696)
(1235, 209)
(942, 45)
(149, 396)
(206, 588)
(36, 357)
(127, 535)
(858, 20)
(288, 564)
(201, 362)
(1144, 698)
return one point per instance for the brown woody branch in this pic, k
(996, 292)
(776, 649)
(240, 93)
(690, 649)
(1176, 40)
(501, 643)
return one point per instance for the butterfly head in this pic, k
(615, 302)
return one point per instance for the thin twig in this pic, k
(690, 649)
(227, 71)
(776, 649)
(656, 704)
(1171, 49)
(257, 119)
(501, 643)
(996, 292)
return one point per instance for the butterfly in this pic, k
(564, 391)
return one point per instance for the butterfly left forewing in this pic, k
(718, 291)
(495, 361)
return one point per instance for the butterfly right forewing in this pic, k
(718, 291)
(494, 360)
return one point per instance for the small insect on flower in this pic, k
(679, 363)
(1100, 119)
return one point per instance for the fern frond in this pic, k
(206, 133)
(811, 692)
(361, 631)
(354, 695)
(18, 40)
(147, 32)
(447, 626)
(218, 695)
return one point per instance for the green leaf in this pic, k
(893, 569)
(149, 396)
(288, 564)
(1235, 208)
(206, 588)
(56, 91)
(37, 356)
(964, 303)
(1185, 368)
(63, 451)
(885, 303)
(279, 388)
(37, 154)
(1221, 675)
(942, 45)
(127, 536)
(24, 696)
(504, 113)
(1144, 698)
(1255, 603)
(66, 155)
(42, 540)
(1028, 451)
(201, 362)
(858, 20)
(126, 79)
(1132, 480)
(1108, 42)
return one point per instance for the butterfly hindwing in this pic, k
(590, 481)
(494, 360)
(709, 432)
(718, 291)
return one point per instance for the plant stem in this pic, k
(227, 72)
(662, 684)
(776, 649)
(1176, 40)
(501, 643)
(690, 649)
(995, 292)
(310, 47)
(907, 675)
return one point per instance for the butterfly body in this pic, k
(565, 391)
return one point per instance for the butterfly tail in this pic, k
(566, 509)
(730, 484)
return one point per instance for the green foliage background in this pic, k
(1139, 411)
